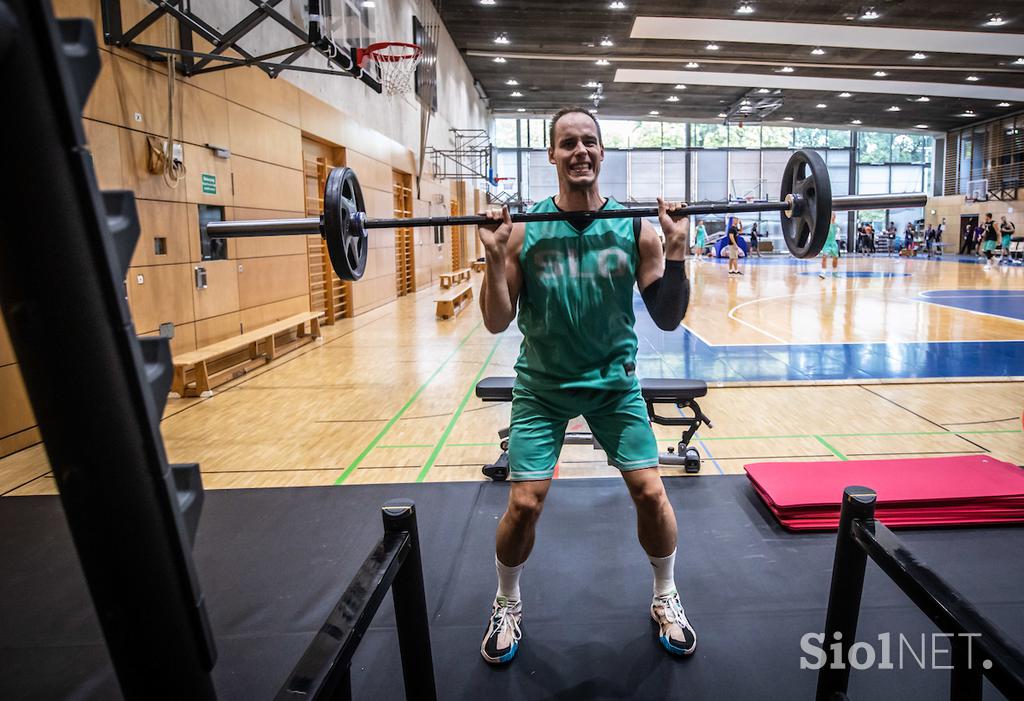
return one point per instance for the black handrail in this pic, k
(979, 648)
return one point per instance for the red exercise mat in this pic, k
(963, 490)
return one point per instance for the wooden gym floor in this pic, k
(893, 357)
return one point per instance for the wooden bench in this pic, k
(192, 377)
(453, 278)
(450, 303)
(479, 266)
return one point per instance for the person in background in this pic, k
(1006, 230)
(929, 239)
(908, 239)
(831, 248)
(990, 237)
(733, 248)
(702, 236)
(753, 240)
(968, 240)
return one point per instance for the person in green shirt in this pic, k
(831, 248)
(572, 284)
(702, 236)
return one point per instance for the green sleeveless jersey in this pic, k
(576, 304)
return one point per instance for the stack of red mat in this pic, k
(968, 490)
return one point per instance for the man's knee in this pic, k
(524, 506)
(649, 496)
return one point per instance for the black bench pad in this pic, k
(655, 389)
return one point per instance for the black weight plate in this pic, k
(806, 178)
(344, 213)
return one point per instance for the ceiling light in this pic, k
(591, 84)
(723, 115)
(607, 41)
(601, 62)
(845, 94)
(894, 108)
(501, 38)
(763, 91)
(869, 13)
(880, 74)
(617, 5)
(654, 113)
(672, 98)
(1019, 61)
(973, 78)
(821, 105)
(511, 81)
(969, 113)
(592, 111)
(786, 69)
(712, 47)
(516, 93)
(745, 102)
(818, 51)
(499, 59)
(1003, 104)
(919, 56)
(370, 4)
(596, 96)
(482, 2)
(923, 99)
(920, 126)
(680, 86)
(745, 8)
(788, 119)
(521, 109)
(995, 20)
(856, 121)
(691, 64)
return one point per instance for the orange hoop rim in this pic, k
(376, 52)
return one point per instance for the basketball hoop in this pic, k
(396, 62)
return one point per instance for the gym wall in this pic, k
(263, 123)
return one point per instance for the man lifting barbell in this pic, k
(573, 282)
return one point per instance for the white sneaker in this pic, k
(821, 275)
(675, 632)
(504, 631)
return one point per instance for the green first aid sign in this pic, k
(209, 183)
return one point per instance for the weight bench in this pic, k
(682, 393)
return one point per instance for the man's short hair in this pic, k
(569, 110)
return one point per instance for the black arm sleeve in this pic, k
(668, 296)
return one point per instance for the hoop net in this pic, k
(396, 61)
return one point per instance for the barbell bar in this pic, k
(806, 206)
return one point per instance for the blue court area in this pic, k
(682, 354)
(1007, 303)
(858, 273)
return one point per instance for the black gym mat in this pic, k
(273, 562)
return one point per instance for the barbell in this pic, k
(806, 205)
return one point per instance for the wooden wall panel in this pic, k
(265, 186)
(204, 117)
(380, 204)
(104, 103)
(372, 174)
(18, 441)
(6, 349)
(165, 295)
(200, 161)
(221, 293)
(265, 139)
(184, 340)
(266, 280)
(134, 155)
(168, 220)
(141, 96)
(268, 313)
(275, 98)
(105, 147)
(321, 120)
(218, 328)
(15, 408)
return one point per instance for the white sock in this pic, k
(508, 579)
(664, 574)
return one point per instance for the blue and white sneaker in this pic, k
(675, 633)
(501, 643)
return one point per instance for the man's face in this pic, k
(576, 152)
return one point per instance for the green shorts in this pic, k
(618, 420)
(830, 249)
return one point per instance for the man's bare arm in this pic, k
(503, 278)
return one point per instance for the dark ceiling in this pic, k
(548, 29)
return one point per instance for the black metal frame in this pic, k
(471, 159)
(190, 62)
(860, 536)
(323, 671)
